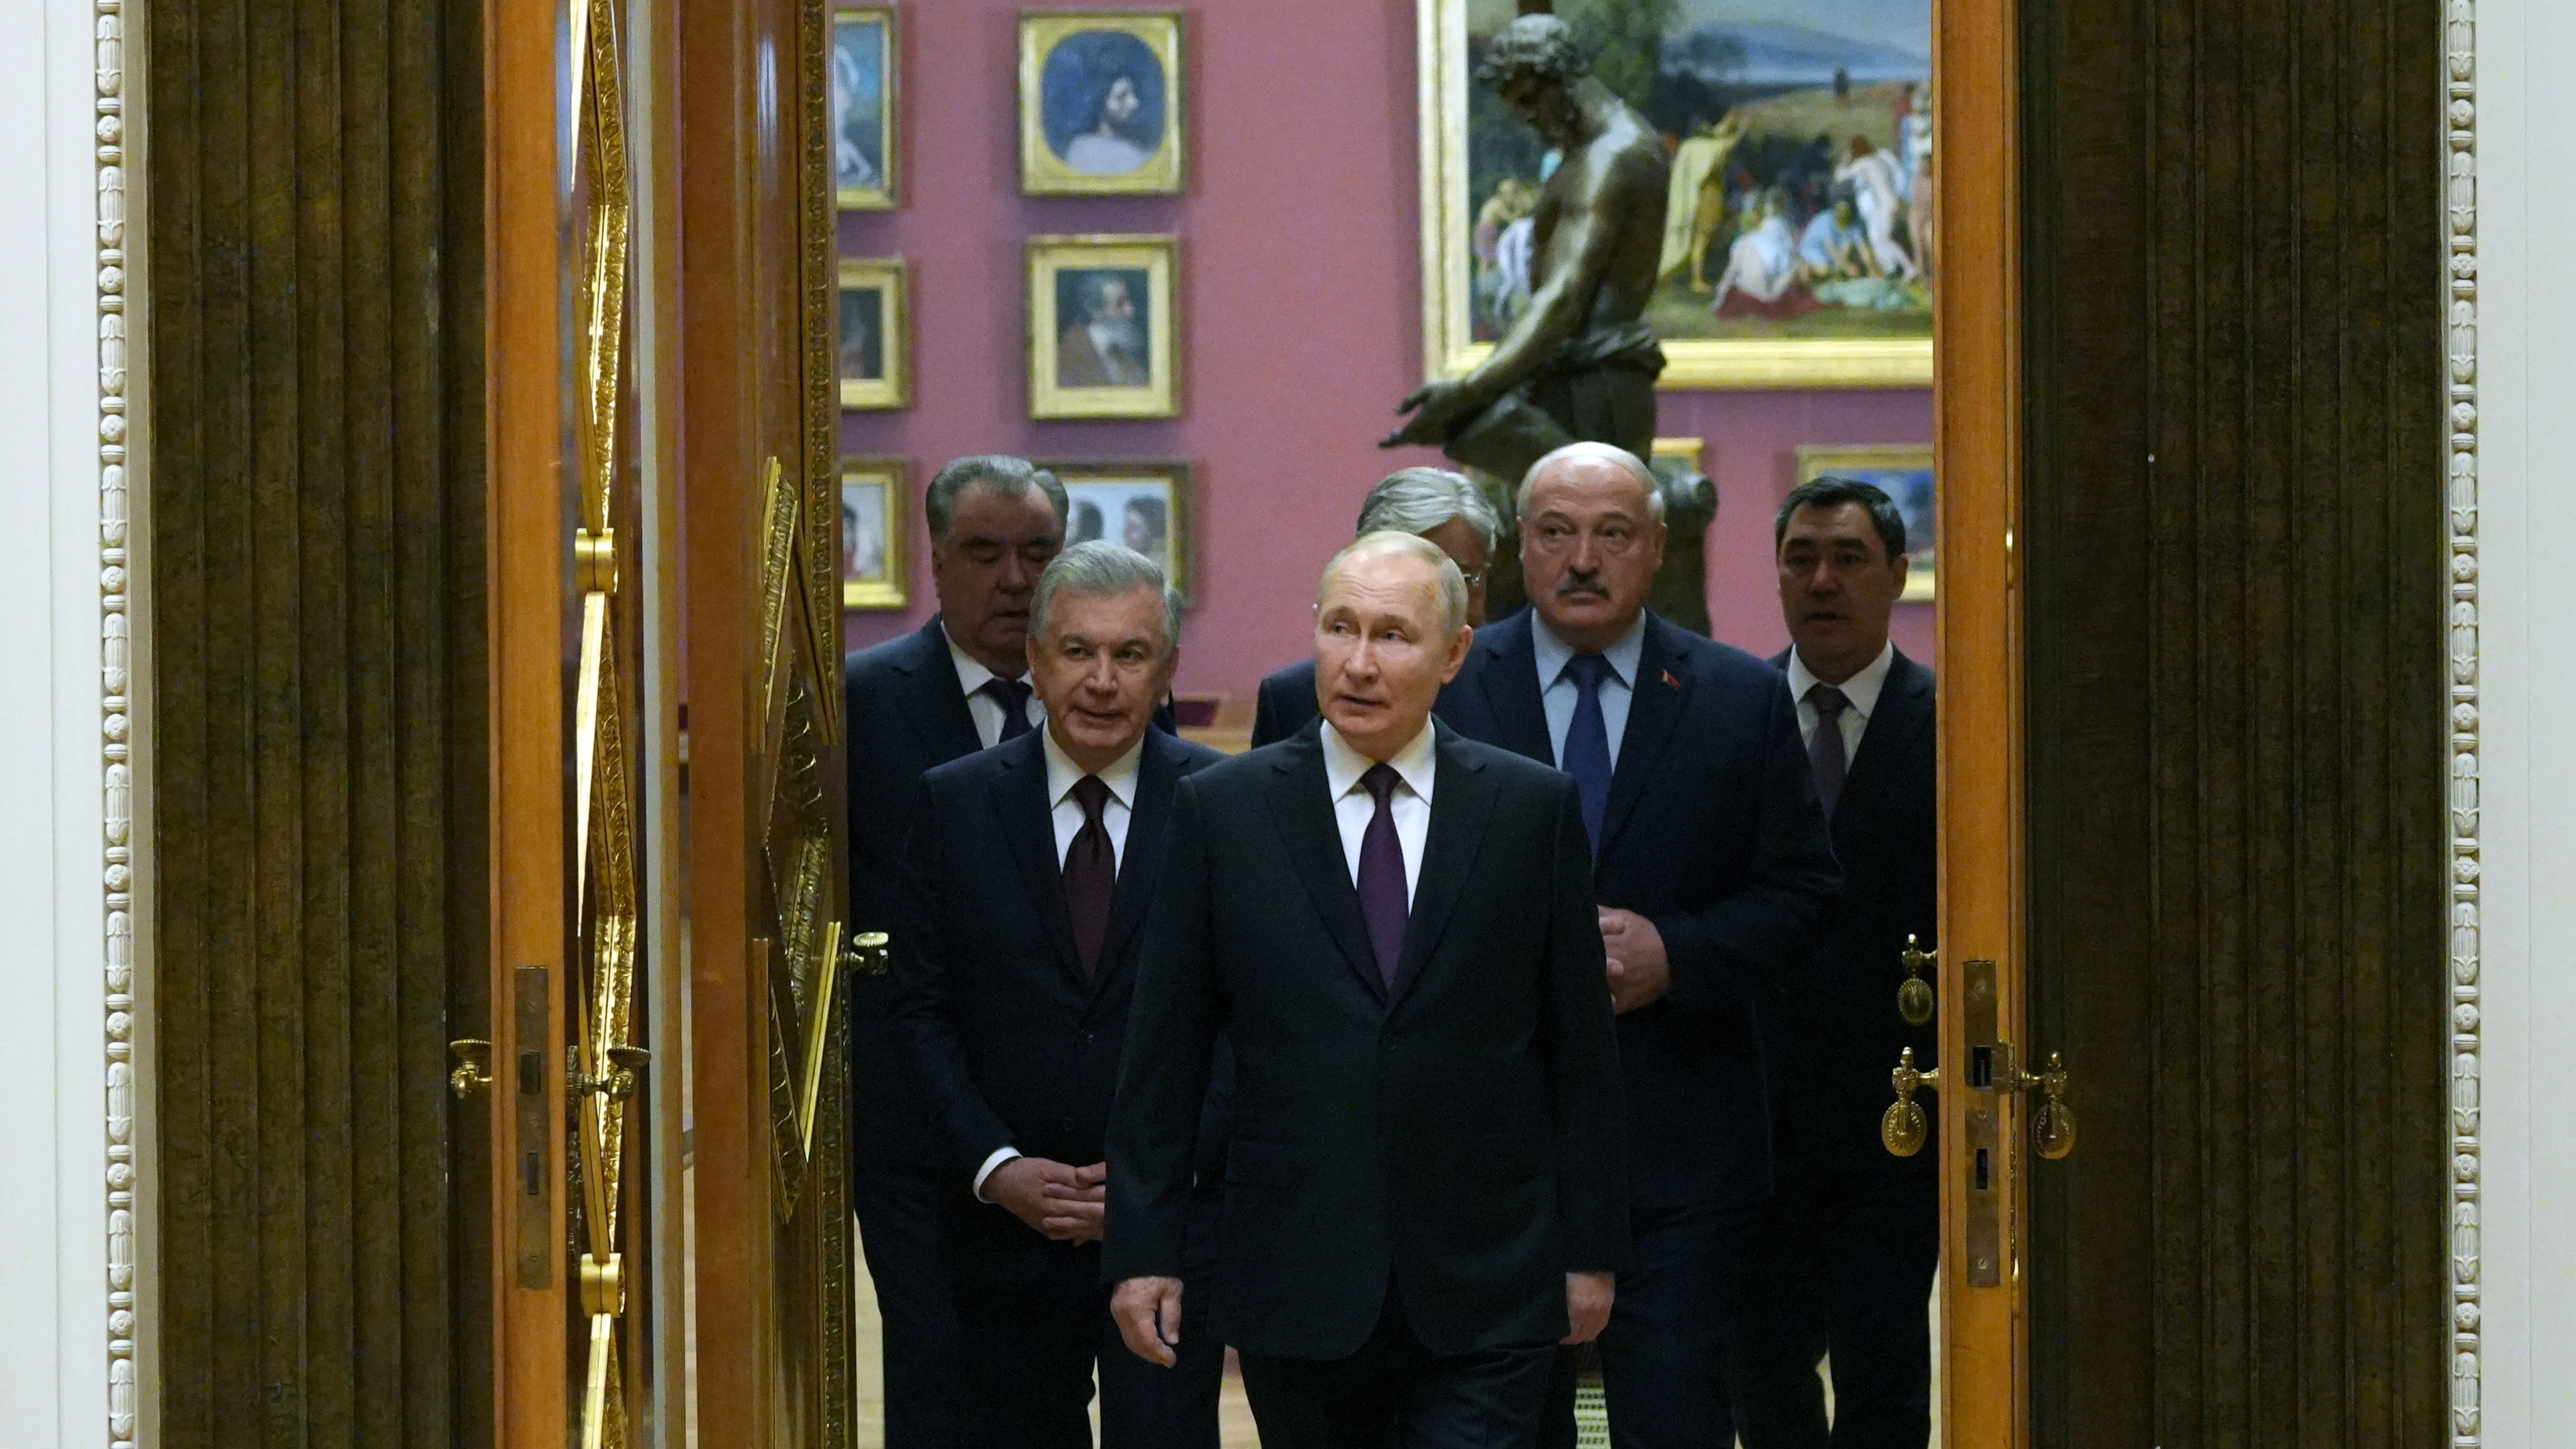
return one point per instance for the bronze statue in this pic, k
(1579, 362)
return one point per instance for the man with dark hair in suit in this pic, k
(1713, 871)
(1430, 503)
(1841, 1260)
(1394, 928)
(939, 694)
(1028, 874)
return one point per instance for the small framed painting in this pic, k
(1100, 102)
(863, 106)
(1904, 473)
(1145, 506)
(1682, 453)
(1103, 334)
(876, 334)
(873, 571)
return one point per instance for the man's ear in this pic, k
(1458, 646)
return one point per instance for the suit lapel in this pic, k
(1028, 823)
(1158, 772)
(1662, 689)
(1904, 709)
(933, 704)
(1508, 677)
(1462, 805)
(1302, 811)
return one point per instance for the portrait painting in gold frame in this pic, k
(1763, 137)
(875, 568)
(1100, 103)
(1144, 505)
(1904, 473)
(875, 357)
(866, 124)
(1104, 333)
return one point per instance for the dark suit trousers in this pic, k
(1663, 1357)
(1031, 1349)
(1839, 1263)
(900, 1229)
(1397, 1394)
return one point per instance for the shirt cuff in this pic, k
(1000, 1156)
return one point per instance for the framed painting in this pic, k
(1682, 453)
(864, 118)
(874, 572)
(876, 334)
(1798, 217)
(1904, 473)
(1103, 335)
(1100, 103)
(1145, 506)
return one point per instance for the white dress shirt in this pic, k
(1062, 775)
(987, 711)
(1410, 802)
(1861, 689)
(1558, 692)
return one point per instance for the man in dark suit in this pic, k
(1432, 503)
(937, 695)
(1840, 1262)
(1394, 926)
(1713, 870)
(1029, 871)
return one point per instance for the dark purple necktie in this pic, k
(1825, 746)
(1090, 874)
(1382, 895)
(1013, 696)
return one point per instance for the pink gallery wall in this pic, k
(1300, 308)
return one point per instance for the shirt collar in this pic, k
(1343, 765)
(971, 673)
(1063, 774)
(1554, 653)
(1861, 689)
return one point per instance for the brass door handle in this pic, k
(2052, 1123)
(868, 953)
(1904, 1128)
(473, 1067)
(1914, 997)
(625, 1072)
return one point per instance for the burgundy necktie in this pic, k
(1825, 746)
(1382, 895)
(1013, 696)
(1090, 875)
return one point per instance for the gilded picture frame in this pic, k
(874, 359)
(1451, 263)
(1102, 108)
(865, 67)
(1904, 471)
(1104, 326)
(1683, 453)
(876, 563)
(1144, 505)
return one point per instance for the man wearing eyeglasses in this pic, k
(1713, 868)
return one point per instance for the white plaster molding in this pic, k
(124, 1390)
(2461, 231)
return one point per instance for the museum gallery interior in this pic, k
(1303, 722)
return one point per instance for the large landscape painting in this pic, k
(1798, 242)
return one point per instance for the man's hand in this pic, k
(1639, 972)
(1148, 1311)
(1587, 1304)
(1064, 1202)
(1443, 405)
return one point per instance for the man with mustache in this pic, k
(954, 687)
(1713, 869)
(1106, 347)
(1840, 1261)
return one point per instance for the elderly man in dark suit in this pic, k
(1028, 874)
(1714, 872)
(940, 694)
(1395, 928)
(1432, 503)
(1840, 1262)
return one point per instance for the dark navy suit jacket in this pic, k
(1712, 833)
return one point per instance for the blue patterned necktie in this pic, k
(1383, 902)
(1013, 696)
(1587, 742)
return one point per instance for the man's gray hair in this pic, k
(1011, 477)
(1418, 500)
(1539, 46)
(1604, 452)
(1101, 569)
(1452, 585)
